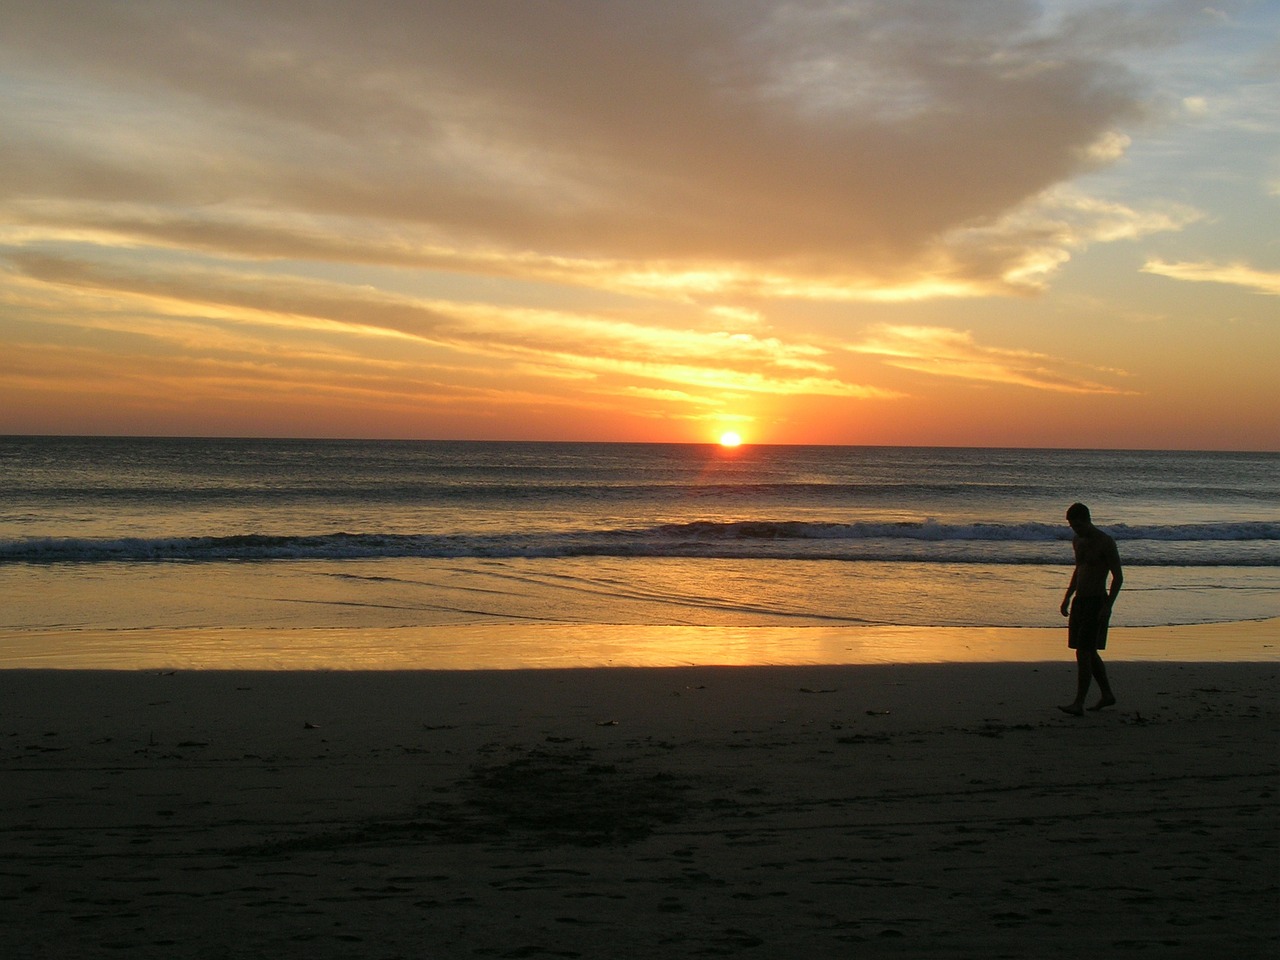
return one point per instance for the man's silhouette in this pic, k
(1096, 556)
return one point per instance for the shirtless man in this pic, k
(1096, 556)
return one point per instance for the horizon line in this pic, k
(746, 444)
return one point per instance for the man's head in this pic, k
(1078, 517)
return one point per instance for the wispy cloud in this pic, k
(944, 352)
(318, 319)
(1237, 274)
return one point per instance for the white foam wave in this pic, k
(1204, 544)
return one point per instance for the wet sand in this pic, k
(513, 646)
(926, 810)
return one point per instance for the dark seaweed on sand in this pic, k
(540, 797)
(569, 798)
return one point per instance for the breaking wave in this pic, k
(1202, 544)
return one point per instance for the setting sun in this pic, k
(730, 439)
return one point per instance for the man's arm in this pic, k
(1071, 588)
(1117, 572)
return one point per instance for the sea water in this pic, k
(348, 539)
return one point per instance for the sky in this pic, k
(906, 222)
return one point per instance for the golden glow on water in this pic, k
(546, 646)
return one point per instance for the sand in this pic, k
(944, 810)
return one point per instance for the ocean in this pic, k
(230, 552)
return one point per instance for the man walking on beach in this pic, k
(1096, 556)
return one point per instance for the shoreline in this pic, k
(923, 810)
(541, 645)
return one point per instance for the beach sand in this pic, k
(927, 810)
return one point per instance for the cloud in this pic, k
(323, 320)
(1238, 274)
(882, 150)
(944, 352)
(1196, 106)
(1016, 253)
(1020, 251)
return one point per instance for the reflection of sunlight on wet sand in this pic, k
(516, 646)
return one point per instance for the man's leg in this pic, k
(1084, 673)
(1099, 671)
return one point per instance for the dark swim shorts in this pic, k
(1087, 625)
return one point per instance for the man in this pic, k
(1096, 556)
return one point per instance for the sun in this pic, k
(730, 439)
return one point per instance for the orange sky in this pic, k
(988, 223)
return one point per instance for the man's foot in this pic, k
(1073, 708)
(1107, 701)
